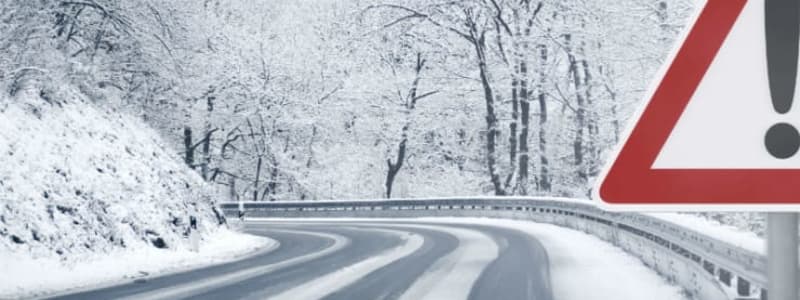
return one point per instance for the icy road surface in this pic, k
(408, 259)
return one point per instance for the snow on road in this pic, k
(581, 266)
(453, 276)
(584, 267)
(327, 284)
(21, 276)
(197, 287)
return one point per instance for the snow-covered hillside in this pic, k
(78, 181)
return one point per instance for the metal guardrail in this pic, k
(706, 267)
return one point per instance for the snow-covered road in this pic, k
(410, 259)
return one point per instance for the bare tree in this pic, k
(410, 104)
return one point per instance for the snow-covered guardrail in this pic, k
(705, 266)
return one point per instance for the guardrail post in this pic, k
(782, 250)
(742, 287)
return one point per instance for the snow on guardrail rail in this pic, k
(708, 262)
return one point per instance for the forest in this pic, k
(327, 99)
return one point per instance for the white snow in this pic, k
(452, 276)
(23, 276)
(326, 284)
(192, 288)
(584, 267)
(80, 179)
(745, 239)
(89, 193)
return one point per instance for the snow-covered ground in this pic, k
(26, 276)
(78, 178)
(91, 195)
(584, 267)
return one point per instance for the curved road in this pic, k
(345, 260)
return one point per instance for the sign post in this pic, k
(782, 251)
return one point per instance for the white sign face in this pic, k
(724, 124)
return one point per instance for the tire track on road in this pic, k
(210, 283)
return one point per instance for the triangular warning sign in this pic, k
(701, 139)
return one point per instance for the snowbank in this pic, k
(22, 275)
(89, 194)
(584, 267)
(79, 179)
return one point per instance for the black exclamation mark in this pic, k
(783, 37)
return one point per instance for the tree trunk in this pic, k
(525, 107)
(525, 96)
(232, 195)
(512, 135)
(410, 105)
(394, 168)
(206, 154)
(614, 114)
(580, 113)
(187, 143)
(479, 42)
(544, 168)
(663, 18)
(491, 133)
(258, 176)
(592, 148)
(544, 176)
(207, 141)
(273, 180)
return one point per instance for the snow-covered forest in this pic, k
(278, 100)
(124, 123)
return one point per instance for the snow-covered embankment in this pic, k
(89, 195)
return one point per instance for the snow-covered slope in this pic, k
(78, 178)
